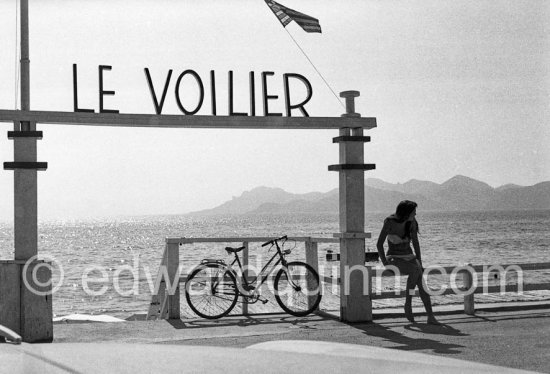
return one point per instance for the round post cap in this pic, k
(349, 93)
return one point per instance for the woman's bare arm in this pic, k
(380, 243)
(415, 242)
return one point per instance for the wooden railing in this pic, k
(166, 302)
(468, 272)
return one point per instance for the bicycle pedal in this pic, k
(264, 301)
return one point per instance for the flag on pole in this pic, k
(287, 15)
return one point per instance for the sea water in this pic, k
(119, 257)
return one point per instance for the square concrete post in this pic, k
(24, 149)
(355, 302)
(10, 295)
(26, 299)
(34, 309)
(36, 302)
(25, 189)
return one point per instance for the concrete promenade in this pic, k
(514, 335)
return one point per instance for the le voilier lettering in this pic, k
(159, 98)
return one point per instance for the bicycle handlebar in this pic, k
(275, 240)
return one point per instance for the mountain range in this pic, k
(459, 193)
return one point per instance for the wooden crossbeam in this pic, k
(248, 239)
(183, 121)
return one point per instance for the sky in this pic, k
(457, 87)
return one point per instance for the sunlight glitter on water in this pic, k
(447, 238)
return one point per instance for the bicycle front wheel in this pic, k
(297, 289)
(211, 291)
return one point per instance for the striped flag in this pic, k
(287, 15)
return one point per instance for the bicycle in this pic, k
(213, 287)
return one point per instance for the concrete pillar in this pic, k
(25, 181)
(25, 295)
(26, 299)
(25, 189)
(355, 302)
(10, 295)
(36, 302)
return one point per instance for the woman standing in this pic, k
(400, 229)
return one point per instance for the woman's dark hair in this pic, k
(403, 211)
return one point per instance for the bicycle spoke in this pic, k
(297, 289)
(211, 292)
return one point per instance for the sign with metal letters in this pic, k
(159, 92)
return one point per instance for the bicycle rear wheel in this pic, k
(211, 291)
(297, 289)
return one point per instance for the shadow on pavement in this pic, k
(479, 317)
(408, 343)
(243, 321)
(443, 329)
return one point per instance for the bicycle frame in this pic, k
(250, 289)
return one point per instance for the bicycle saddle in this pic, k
(233, 250)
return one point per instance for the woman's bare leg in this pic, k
(426, 300)
(412, 281)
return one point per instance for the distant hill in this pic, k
(251, 200)
(463, 193)
(519, 198)
(456, 194)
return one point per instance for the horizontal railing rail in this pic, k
(477, 268)
(467, 272)
(254, 239)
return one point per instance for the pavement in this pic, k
(513, 335)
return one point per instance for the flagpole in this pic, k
(314, 67)
(25, 62)
(309, 24)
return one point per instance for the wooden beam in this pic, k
(172, 264)
(245, 257)
(312, 259)
(183, 121)
(262, 239)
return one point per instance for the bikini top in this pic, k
(396, 239)
(398, 242)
